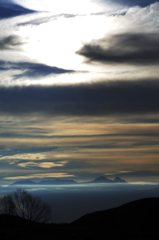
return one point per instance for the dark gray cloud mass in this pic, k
(109, 98)
(10, 42)
(10, 9)
(32, 70)
(128, 48)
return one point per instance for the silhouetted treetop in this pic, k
(21, 203)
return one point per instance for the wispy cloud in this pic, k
(31, 70)
(40, 176)
(28, 156)
(38, 19)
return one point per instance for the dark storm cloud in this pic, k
(109, 98)
(10, 42)
(128, 48)
(10, 9)
(32, 70)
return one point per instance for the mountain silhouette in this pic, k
(140, 215)
(103, 179)
(58, 181)
(24, 182)
(119, 180)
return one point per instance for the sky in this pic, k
(79, 89)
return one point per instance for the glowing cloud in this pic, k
(29, 156)
(42, 164)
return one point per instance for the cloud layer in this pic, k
(126, 48)
(102, 98)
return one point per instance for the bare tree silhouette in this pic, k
(21, 203)
(7, 205)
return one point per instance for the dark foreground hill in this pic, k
(132, 215)
(136, 220)
(132, 221)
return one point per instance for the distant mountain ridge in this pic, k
(24, 182)
(58, 181)
(103, 179)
